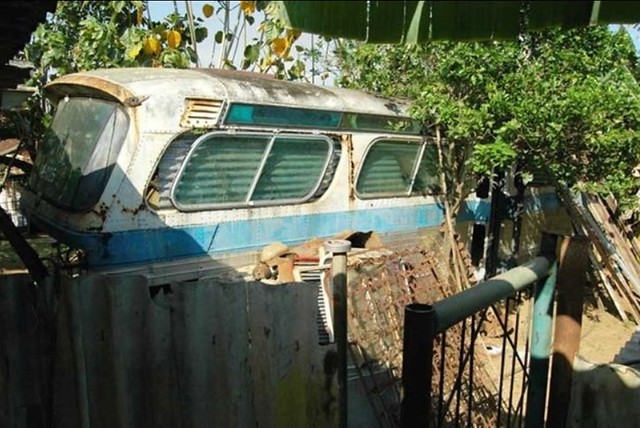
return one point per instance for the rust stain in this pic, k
(101, 211)
(348, 141)
(134, 211)
(109, 87)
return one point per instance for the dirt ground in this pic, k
(603, 335)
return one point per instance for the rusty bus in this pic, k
(145, 168)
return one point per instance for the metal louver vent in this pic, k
(169, 167)
(201, 113)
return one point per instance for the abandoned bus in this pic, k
(145, 167)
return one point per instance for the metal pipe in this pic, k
(541, 333)
(571, 282)
(339, 249)
(454, 309)
(417, 370)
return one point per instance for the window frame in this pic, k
(422, 142)
(118, 113)
(248, 203)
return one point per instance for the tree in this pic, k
(564, 101)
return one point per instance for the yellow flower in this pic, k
(151, 46)
(139, 15)
(135, 51)
(248, 7)
(207, 10)
(279, 46)
(173, 39)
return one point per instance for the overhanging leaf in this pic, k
(346, 19)
(389, 21)
(475, 20)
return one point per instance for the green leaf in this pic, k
(201, 34)
(252, 53)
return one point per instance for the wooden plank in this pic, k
(612, 206)
(621, 244)
(613, 295)
(210, 343)
(584, 221)
(294, 377)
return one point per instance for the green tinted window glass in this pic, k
(427, 180)
(248, 114)
(293, 169)
(79, 152)
(220, 170)
(387, 168)
(241, 170)
(370, 122)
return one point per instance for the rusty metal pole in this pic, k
(572, 275)
(339, 249)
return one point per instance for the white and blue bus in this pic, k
(151, 167)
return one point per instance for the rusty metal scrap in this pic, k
(380, 286)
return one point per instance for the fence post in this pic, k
(541, 335)
(417, 360)
(572, 275)
(339, 248)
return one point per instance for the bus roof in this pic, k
(234, 87)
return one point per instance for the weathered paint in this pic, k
(163, 244)
(122, 230)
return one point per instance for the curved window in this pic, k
(79, 152)
(224, 171)
(392, 168)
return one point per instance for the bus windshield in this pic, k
(79, 151)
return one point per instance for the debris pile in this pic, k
(614, 253)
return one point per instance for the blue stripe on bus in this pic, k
(246, 235)
(150, 245)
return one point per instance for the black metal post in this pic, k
(498, 203)
(417, 370)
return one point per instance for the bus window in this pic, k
(224, 171)
(427, 180)
(393, 168)
(79, 152)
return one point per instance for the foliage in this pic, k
(94, 34)
(86, 35)
(563, 102)
(272, 49)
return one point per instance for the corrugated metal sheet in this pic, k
(115, 352)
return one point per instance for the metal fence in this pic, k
(444, 379)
